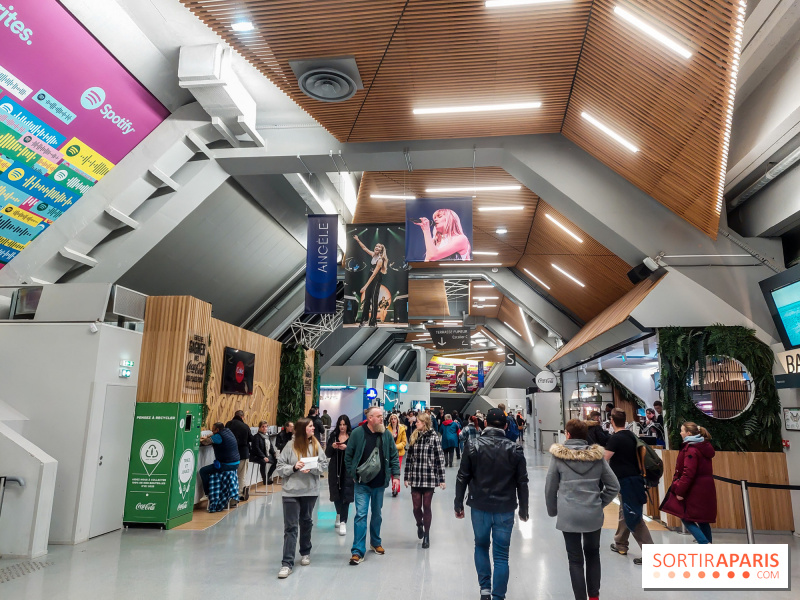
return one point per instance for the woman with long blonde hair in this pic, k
(398, 431)
(372, 289)
(424, 471)
(447, 242)
(300, 492)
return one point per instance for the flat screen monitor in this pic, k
(782, 295)
(237, 371)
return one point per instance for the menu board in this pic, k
(69, 112)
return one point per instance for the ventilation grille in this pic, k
(327, 85)
(128, 303)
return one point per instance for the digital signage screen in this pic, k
(69, 112)
(782, 295)
(238, 367)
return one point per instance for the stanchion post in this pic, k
(748, 517)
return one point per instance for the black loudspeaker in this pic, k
(639, 273)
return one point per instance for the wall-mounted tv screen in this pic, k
(782, 294)
(237, 371)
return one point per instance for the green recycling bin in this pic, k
(163, 464)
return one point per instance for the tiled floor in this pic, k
(240, 558)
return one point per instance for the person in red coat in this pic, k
(693, 496)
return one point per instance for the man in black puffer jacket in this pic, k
(494, 468)
(244, 436)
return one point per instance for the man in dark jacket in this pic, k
(494, 469)
(594, 431)
(244, 436)
(285, 436)
(261, 453)
(319, 426)
(370, 438)
(226, 453)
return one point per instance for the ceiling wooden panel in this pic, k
(671, 108)
(509, 313)
(427, 297)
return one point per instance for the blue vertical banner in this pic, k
(321, 264)
(480, 373)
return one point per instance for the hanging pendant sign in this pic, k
(321, 264)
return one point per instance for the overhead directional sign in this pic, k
(451, 338)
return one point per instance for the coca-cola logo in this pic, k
(148, 506)
(239, 372)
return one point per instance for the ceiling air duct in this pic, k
(328, 79)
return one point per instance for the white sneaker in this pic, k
(305, 560)
(342, 528)
(338, 520)
(284, 572)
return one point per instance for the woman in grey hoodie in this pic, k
(300, 492)
(579, 485)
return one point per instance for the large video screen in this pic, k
(787, 302)
(238, 368)
(69, 112)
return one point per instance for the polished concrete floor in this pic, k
(240, 558)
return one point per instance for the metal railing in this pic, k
(6, 479)
(746, 485)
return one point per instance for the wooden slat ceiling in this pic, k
(427, 297)
(571, 56)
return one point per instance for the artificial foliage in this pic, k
(758, 428)
(315, 400)
(291, 395)
(206, 378)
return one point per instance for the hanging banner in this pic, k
(321, 264)
(480, 373)
(450, 338)
(376, 276)
(439, 230)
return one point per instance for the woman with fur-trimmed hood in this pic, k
(579, 485)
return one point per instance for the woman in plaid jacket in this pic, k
(424, 471)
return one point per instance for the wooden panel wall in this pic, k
(168, 323)
(772, 509)
(263, 403)
(308, 386)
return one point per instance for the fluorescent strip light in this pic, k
(450, 322)
(502, 3)
(499, 208)
(325, 203)
(562, 227)
(476, 108)
(557, 268)
(484, 306)
(487, 254)
(481, 285)
(527, 326)
(501, 231)
(470, 264)
(542, 283)
(390, 197)
(485, 188)
(654, 33)
(612, 134)
(506, 323)
(242, 26)
(484, 298)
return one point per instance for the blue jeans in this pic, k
(495, 528)
(364, 496)
(700, 531)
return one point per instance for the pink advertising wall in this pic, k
(69, 112)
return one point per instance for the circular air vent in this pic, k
(327, 85)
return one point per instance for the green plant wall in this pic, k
(757, 429)
(315, 401)
(291, 397)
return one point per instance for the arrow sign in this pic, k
(447, 338)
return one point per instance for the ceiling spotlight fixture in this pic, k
(502, 3)
(609, 132)
(499, 208)
(506, 323)
(501, 231)
(477, 108)
(487, 254)
(390, 197)
(562, 271)
(485, 188)
(654, 33)
(242, 26)
(563, 228)
(542, 283)
(470, 264)
(527, 326)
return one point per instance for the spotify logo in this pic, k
(16, 174)
(93, 98)
(60, 175)
(73, 150)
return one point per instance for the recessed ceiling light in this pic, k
(484, 306)
(390, 197)
(477, 108)
(550, 217)
(483, 285)
(507, 324)
(654, 33)
(609, 132)
(559, 269)
(501, 231)
(470, 264)
(482, 298)
(487, 254)
(485, 188)
(242, 26)
(527, 326)
(542, 283)
(502, 3)
(499, 208)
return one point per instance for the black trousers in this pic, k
(587, 584)
(448, 456)
(298, 512)
(342, 509)
(263, 467)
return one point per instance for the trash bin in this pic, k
(163, 464)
